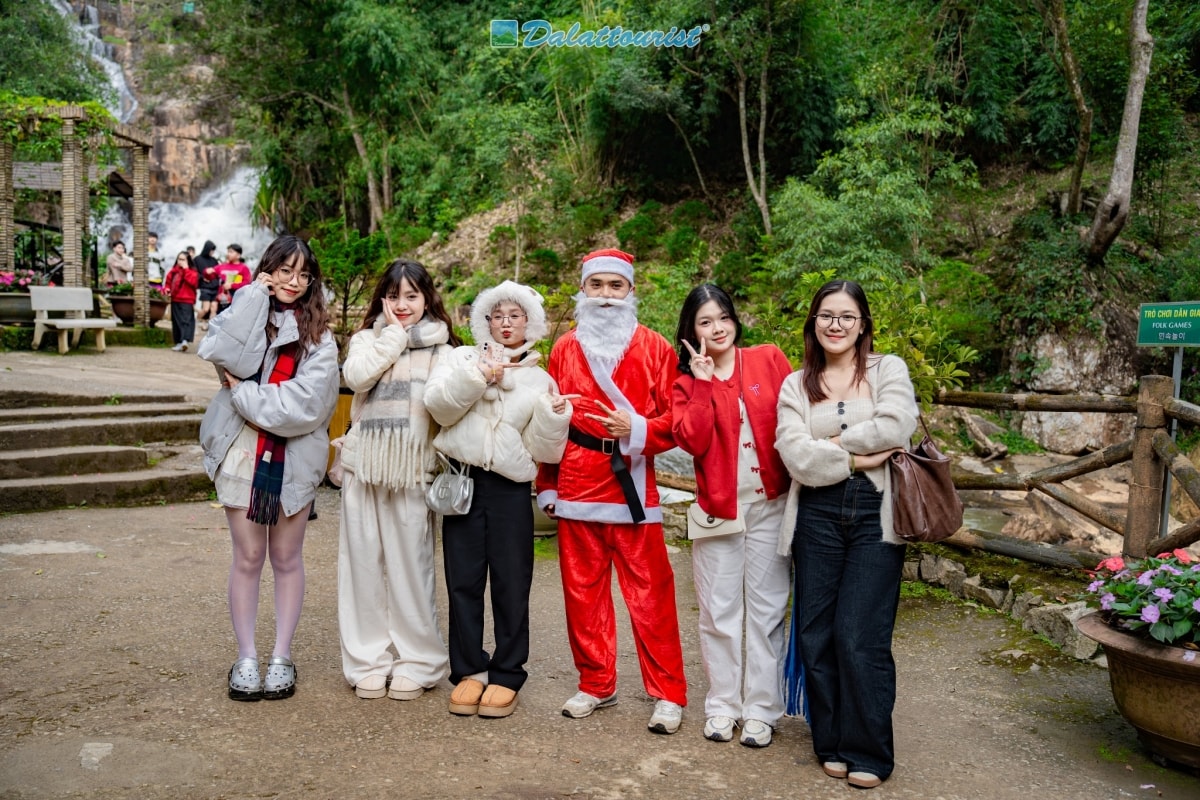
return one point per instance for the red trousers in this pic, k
(587, 553)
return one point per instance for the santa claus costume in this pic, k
(604, 495)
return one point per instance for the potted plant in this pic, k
(14, 294)
(120, 297)
(1148, 622)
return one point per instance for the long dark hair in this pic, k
(814, 354)
(687, 320)
(418, 277)
(191, 264)
(312, 317)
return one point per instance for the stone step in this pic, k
(16, 416)
(71, 461)
(109, 431)
(177, 479)
(14, 398)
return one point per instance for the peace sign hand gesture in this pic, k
(702, 365)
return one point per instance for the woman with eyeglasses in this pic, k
(501, 415)
(266, 444)
(840, 418)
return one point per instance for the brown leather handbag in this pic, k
(925, 505)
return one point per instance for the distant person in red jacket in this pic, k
(234, 274)
(180, 285)
(723, 413)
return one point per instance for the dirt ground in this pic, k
(116, 644)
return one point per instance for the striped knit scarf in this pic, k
(267, 486)
(396, 441)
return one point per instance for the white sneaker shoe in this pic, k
(666, 717)
(719, 729)
(583, 704)
(755, 733)
(371, 687)
(403, 688)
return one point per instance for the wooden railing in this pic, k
(1151, 451)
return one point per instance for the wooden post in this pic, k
(8, 199)
(1146, 476)
(72, 174)
(141, 216)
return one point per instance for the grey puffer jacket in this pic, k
(298, 409)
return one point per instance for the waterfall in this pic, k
(223, 214)
(87, 34)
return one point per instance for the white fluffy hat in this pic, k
(529, 301)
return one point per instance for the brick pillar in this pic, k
(7, 199)
(141, 217)
(72, 162)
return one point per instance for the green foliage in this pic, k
(681, 243)
(1043, 283)
(967, 301)
(547, 264)
(868, 206)
(39, 57)
(349, 263)
(638, 234)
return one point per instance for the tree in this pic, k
(39, 57)
(1113, 210)
(1055, 14)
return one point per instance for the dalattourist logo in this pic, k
(538, 32)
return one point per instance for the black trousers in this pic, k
(183, 322)
(493, 541)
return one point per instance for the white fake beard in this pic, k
(605, 327)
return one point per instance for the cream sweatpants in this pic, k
(742, 587)
(386, 586)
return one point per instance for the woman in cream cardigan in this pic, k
(840, 418)
(501, 414)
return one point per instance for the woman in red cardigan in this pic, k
(724, 414)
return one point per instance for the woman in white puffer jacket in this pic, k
(501, 414)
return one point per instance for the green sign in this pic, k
(1169, 325)
(189, 8)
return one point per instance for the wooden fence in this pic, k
(1151, 451)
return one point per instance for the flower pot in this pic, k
(1156, 687)
(122, 306)
(15, 307)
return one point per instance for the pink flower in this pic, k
(1112, 564)
(1183, 555)
(1150, 614)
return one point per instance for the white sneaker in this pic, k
(666, 717)
(583, 704)
(755, 733)
(719, 729)
(180, 347)
(403, 688)
(371, 687)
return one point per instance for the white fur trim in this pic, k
(617, 266)
(529, 301)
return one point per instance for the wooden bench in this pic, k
(75, 303)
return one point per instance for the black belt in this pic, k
(609, 447)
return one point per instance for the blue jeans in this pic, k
(847, 592)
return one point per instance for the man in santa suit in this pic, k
(619, 375)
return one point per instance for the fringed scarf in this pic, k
(395, 448)
(266, 488)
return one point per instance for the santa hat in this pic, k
(614, 261)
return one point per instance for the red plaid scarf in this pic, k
(267, 486)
